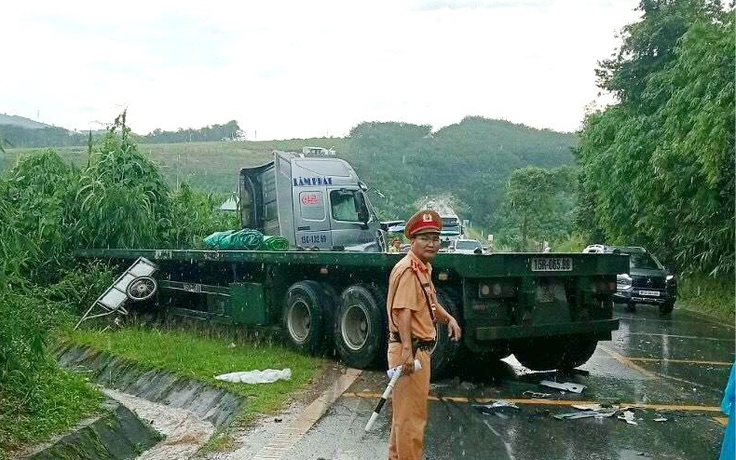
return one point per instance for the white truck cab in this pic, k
(314, 202)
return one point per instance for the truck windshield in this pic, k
(347, 206)
(643, 260)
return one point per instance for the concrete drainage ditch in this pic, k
(186, 412)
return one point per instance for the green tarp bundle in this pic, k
(246, 239)
(275, 243)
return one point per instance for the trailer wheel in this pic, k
(446, 354)
(360, 326)
(562, 353)
(141, 288)
(302, 319)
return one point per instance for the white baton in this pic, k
(394, 373)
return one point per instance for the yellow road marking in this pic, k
(626, 361)
(545, 402)
(722, 420)
(686, 361)
(284, 441)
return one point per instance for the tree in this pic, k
(657, 168)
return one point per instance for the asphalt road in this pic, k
(664, 368)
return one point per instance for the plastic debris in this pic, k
(587, 406)
(660, 419)
(497, 404)
(536, 395)
(566, 386)
(253, 377)
(628, 417)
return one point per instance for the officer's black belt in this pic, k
(416, 344)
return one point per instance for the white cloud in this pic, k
(299, 69)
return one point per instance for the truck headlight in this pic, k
(670, 278)
(623, 281)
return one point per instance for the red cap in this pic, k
(424, 221)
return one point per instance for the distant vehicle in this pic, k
(451, 226)
(465, 246)
(318, 151)
(647, 282)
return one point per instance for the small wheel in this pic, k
(446, 353)
(360, 326)
(666, 308)
(302, 320)
(141, 288)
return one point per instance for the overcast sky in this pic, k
(295, 68)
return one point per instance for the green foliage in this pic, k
(709, 295)
(228, 131)
(47, 209)
(122, 199)
(539, 206)
(658, 168)
(37, 195)
(52, 401)
(196, 215)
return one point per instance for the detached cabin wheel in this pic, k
(360, 326)
(302, 319)
(141, 288)
(563, 353)
(446, 353)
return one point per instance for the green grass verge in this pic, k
(712, 297)
(60, 400)
(200, 356)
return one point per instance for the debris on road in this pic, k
(628, 417)
(661, 419)
(497, 404)
(602, 413)
(566, 386)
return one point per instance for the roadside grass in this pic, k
(61, 400)
(203, 354)
(714, 297)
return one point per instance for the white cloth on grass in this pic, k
(267, 376)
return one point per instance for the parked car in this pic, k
(647, 282)
(465, 246)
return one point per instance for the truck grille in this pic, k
(648, 282)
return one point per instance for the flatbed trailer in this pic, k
(549, 309)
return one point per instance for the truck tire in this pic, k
(446, 354)
(562, 353)
(666, 308)
(302, 320)
(360, 326)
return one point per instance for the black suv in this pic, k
(648, 280)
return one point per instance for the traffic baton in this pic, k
(394, 373)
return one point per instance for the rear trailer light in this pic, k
(495, 289)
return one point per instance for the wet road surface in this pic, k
(663, 368)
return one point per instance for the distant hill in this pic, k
(469, 162)
(23, 122)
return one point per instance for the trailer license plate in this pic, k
(552, 264)
(649, 293)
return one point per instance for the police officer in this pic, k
(413, 310)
